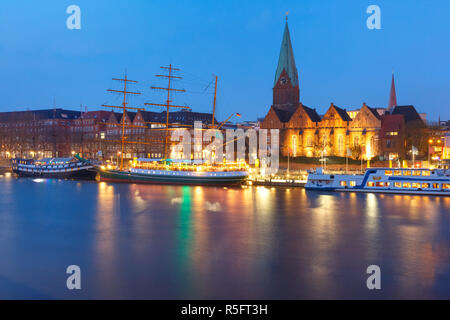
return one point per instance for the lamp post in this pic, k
(414, 152)
(289, 155)
(429, 152)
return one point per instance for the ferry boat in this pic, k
(59, 168)
(159, 171)
(384, 180)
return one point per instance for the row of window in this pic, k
(408, 185)
(340, 143)
(408, 173)
(127, 131)
(404, 185)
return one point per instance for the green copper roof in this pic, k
(286, 60)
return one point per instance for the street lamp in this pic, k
(429, 152)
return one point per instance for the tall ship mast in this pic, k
(170, 78)
(168, 171)
(124, 107)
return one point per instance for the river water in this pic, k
(169, 242)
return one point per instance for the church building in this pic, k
(303, 132)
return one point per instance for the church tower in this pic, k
(392, 97)
(286, 90)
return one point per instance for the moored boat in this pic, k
(384, 180)
(176, 173)
(55, 168)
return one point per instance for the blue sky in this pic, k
(339, 59)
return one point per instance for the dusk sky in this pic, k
(338, 58)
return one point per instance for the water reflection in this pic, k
(168, 242)
(106, 246)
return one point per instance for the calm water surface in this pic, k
(164, 242)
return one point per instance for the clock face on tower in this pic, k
(283, 80)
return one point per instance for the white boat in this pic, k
(384, 180)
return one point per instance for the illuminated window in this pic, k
(406, 185)
(436, 186)
(294, 145)
(425, 185)
(388, 172)
(406, 173)
(392, 133)
(398, 184)
(343, 183)
(380, 184)
(426, 173)
(446, 186)
(417, 173)
(397, 173)
(371, 184)
(416, 185)
(352, 183)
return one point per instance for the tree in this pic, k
(356, 152)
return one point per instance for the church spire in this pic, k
(393, 96)
(286, 60)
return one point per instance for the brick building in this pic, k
(37, 133)
(401, 129)
(367, 132)
(94, 134)
(302, 131)
(89, 133)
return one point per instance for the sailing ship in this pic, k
(55, 168)
(159, 171)
(165, 170)
(384, 180)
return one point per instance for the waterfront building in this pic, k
(303, 132)
(446, 151)
(402, 129)
(367, 132)
(36, 133)
(364, 133)
(145, 131)
(94, 134)
(89, 134)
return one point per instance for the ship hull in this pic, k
(133, 177)
(384, 181)
(384, 191)
(82, 174)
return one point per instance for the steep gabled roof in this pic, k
(342, 113)
(131, 115)
(409, 112)
(312, 114)
(286, 59)
(374, 112)
(284, 114)
(116, 115)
